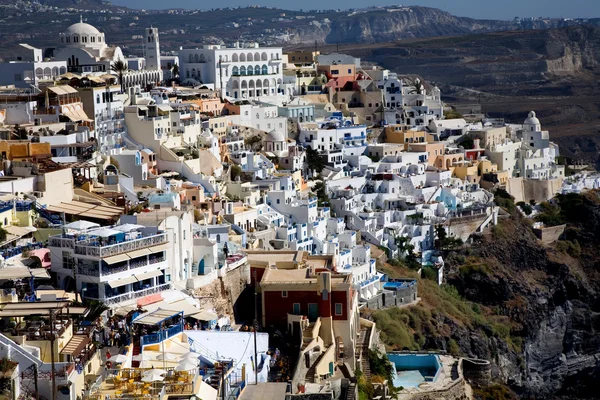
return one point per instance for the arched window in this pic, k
(234, 57)
(242, 57)
(265, 70)
(235, 71)
(191, 58)
(242, 70)
(264, 57)
(250, 70)
(257, 70)
(249, 57)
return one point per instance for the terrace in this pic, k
(130, 384)
(109, 241)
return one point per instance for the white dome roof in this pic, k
(532, 119)
(81, 28)
(275, 136)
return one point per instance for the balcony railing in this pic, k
(138, 294)
(93, 248)
(161, 335)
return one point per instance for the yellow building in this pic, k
(23, 150)
(466, 170)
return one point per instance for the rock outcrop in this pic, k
(551, 300)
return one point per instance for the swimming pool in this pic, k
(414, 369)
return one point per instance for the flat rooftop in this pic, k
(299, 276)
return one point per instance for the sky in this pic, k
(483, 9)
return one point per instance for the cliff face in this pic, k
(500, 63)
(383, 25)
(532, 310)
(550, 299)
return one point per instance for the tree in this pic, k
(419, 88)
(236, 171)
(314, 160)
(320, 189)
(175, 72)
(254, 142)
(120, 67)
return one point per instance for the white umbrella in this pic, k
(81, 225)
(166, 357)
(118, 358)
(128, 227)
(104, 232)
(186, 365)
(157, 371)
(153, 377)
(190, 355)
(142, 357)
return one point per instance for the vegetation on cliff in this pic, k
(531, 309)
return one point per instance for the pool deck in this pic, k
(442, 383)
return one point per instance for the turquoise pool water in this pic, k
(414, 369)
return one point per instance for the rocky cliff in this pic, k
(532, 310)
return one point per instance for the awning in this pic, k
(148, 275)
(14, 273)
(116, 259)
(155, 317)
(19, 231)
(160, 247)
(138, 253)
(40, 273)
(164, 107)
(182, 305)
(122, 282)
(205, 315)
(75, 345)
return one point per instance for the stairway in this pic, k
(363, 351)
(136, 351)
(310, 374)
(351, 394)
(41, 210)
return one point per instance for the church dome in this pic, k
(81, 28)
(532, 119)
(275, 136)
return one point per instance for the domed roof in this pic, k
(275, 136)
(532, 119)
(81, 28)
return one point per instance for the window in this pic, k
(193, 198)
(296, 309)
(284, 293)
(67, 260)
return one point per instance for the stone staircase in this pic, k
(310, 375)
(363, 351)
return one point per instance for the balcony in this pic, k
(161, 335)
(136, 295)
(93, 248)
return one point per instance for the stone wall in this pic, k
(455, 392)
(388, 298)
(476, 371)
(222, 293)
(533, 189)
(465, 226)
(549, 234)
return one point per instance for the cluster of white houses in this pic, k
(154, 193)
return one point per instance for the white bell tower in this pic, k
(152, 49)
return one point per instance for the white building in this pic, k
(114, 264)
(29, 68)
(240, 72)
(84, 49)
